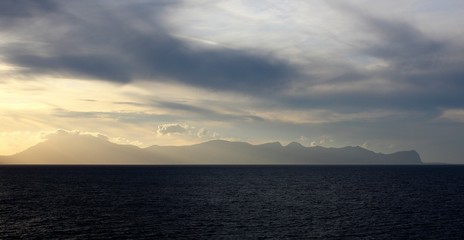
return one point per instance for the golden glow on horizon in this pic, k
(132, 113)
(30, 108)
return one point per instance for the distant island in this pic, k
(87, 149)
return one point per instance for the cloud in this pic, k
(352, 70)
(319, 141)
(203, 132)
(207, 134)
(414, 70)
(212, 113)
(366, 145)
(125, 42)
(187, 131)
(455, 115)
(25, 8)
(184, 107)
(186, 112)
(423, 68)
(172, 128)
(44, 135)
(125, 141)
(135, 117)
(385, 63)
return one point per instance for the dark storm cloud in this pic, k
(424, 73)
(92, 66)
(11, 9)
(401, 42)
(122, 41)
(122, 45)
(414, 57)
(429, 68)
(412, 54)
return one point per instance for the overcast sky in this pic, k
(385, 75)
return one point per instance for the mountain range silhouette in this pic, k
(87, 149)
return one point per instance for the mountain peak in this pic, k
(271, 145)
(294, 145)
(221, 142)
(75, 148)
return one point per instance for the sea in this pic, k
(232, 202)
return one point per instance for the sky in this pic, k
(384, 75)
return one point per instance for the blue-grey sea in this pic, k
(232, 202)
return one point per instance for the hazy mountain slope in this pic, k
(217, 151)
(273, 153)
(86, 149)
(81, 149)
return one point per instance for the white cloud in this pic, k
(16, 141)
(44, 135)
(455, 115)
(125, 141)
(365, 145)
(172, 128)
(290, 29)
(186, 131)
(203, 132)
(323, 140)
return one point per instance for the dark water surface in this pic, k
(232, 202)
